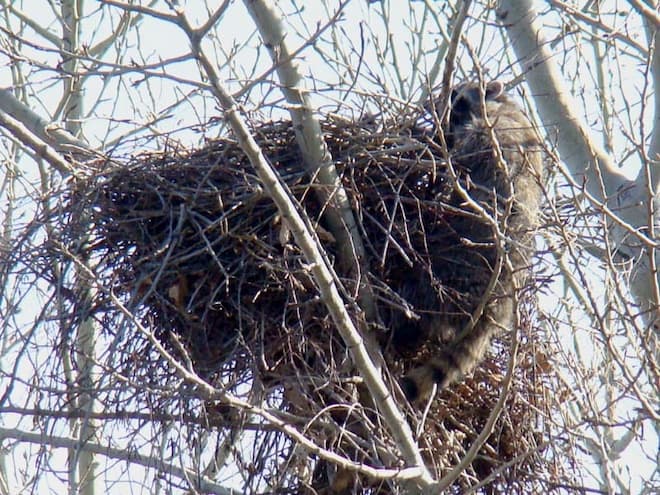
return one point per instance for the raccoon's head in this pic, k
(466, 105)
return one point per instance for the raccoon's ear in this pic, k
(453, 96)
(494, 89)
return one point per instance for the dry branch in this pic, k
(193, 246)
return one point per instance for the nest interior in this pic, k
(198, 251)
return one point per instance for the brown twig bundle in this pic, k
(200, 255)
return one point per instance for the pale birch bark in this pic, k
(202, 483)
(316, 156)
(323, 273)
(50, 134)
(83, 465)
(630, 205)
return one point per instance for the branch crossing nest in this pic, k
(197, 250)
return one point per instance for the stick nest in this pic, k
(191, 244)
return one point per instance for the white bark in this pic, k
(653, 37)
(323, 274)
(83, 466)
(555, 104)
(115, 59)
(128, 455)
(316, 157)
(629, 205)
(39, 148)
(51, 134)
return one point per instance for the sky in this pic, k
(119, 108)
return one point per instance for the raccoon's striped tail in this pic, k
(450, 364)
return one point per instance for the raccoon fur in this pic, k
(464, 294)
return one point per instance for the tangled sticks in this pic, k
(464, 290)
(190, 242)
(190, 237)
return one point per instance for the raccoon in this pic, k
(460, 307)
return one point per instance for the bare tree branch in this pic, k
(56, 137)
(39, 147)
(201, 482)
(316, 157)
(583, 157)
